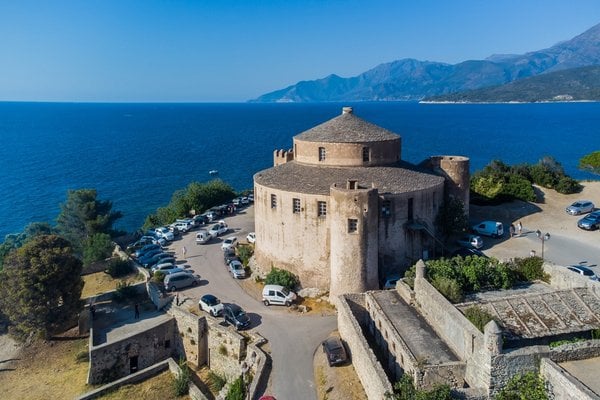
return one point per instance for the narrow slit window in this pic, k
(366, 153)
(322, 154)
(296, 206)
(273, 201)
(322, 208)
(352, 225)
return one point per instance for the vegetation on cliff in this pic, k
(591, 162)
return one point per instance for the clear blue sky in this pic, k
(221, 50)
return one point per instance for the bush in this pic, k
(449, 288)
(529, 386)
(530, 269)
(118, 267)
(281, 277)
(478, 317)
(404, 389)
(181, 384)
(124, 292)
(591, 162)
(215, 382)
(237, 390)
(159, 277)
(244, 252)
(568, 185)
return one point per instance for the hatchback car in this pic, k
(472, 241)
(585, 271)
(211, 304)
(236, 316)
(237, 269)
(590, 222)
(580, 207)
(218, 229)
(164, 232)
(229, 243)
(335, 351)
(251, 238)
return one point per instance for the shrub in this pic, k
(478, 317)
(98, 247)
(215, 381)
(158, 277)
(124, 292)
(223, 350)
(82, 356)
(181, 384)
(568, 185)
(404, 389)
(449, 288)
(244, 252)
(281, 277)
(118, 267)
(237, 390)
(529, 386)
(530, 269)
(591, 162)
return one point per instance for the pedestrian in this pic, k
(183, 251)
(519, 228)
(137, 311)
(532, 253)
(511, 230)
(93, 311)
(177, 299)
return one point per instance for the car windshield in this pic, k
(239, 313)
(587, 272)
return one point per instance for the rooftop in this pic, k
(314, 179)
(347, 128)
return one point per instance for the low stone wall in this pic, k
(405, 292)
(112, 360)
(515, 362)
(575, 351)
(158, 298)
(561, 278)
(257, 362)
(563, 386)
(369, 371)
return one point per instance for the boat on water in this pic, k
(213, 172)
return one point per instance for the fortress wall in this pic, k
(456, 170)
(348, 154)
(288, 240)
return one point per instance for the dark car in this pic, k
(229, 256)
(150, 262)
(148, 255)
(464, 252)
(168, 259)
(590, 222)
(147, 248)
(335, 351)
(236, 316)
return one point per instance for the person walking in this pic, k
(137, 311)
(519, 228)
(183, 251)
(511, 230)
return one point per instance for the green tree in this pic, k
(590, 162)
(451, 217)
(40, 286)
(98, 247)
(14, 241)
(83, 215)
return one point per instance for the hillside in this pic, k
(575, 84)
(410, 79)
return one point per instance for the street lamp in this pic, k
(543, 238)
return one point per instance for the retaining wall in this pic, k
(562, 385)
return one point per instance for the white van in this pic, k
(277, 294)
(489, 228)
(203, 236)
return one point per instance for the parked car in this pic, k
(229, 243)
(473, 241)
(149, 254)
(582, 270)
(211, 215)
(489, 228)
(237, 201)
(141, 242)
(465, 252)
(156, 259)
(244, 201)
(251, 238)
(147, 248)
(183, 225)
(251, 197)
(335, 351)
(229, 255)
(211, 304)
(203, 236)
(390, 281)
(177, 269)
(165, 233)
(236, 316)
(277, 294)
(200, 220)
(580, 207)
(170, 260)
(164, 267)
(180, 280)
(590, 222)
(218, 229)
(237, 269)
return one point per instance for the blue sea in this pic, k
(137, 155)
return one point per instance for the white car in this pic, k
(183, 226)
(211, 304)
(229, 243)
(218, 229)
(251, 238)
(237, 269)
(165, 233)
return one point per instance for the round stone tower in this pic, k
(456, 171)
(354, 239)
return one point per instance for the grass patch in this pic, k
(47, 370)
(101, 282)
(158, 387)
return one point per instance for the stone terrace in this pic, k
(543, 314)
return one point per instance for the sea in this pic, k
(137, 155)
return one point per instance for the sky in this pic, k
(233, 51)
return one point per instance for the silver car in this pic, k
(580, 207)
(180, 280)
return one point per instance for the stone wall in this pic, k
(191, 335)
(348, 154)
(575, 351)
(563, 386)
(562, 279)
(112, 360)
(369, 371)
(226, 349)
(157, 296)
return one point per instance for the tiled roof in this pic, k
(347, 128)
(313, 179)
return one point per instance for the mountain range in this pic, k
(410, 79)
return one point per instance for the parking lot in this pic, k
(293, 337)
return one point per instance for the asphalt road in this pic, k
(293, 337)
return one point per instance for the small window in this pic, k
(273, 201)
(322, 208)
(386, 208)
(296, 205)
(366, 153)
(410, 215)
(167, 344)
(322, 153)
(352, 225)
